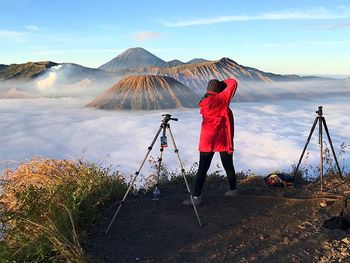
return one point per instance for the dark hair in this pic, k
(216, 85)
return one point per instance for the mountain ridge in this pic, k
(197, 76)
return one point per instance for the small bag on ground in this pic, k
(279, 180)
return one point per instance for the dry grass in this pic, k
(47, 203)
(38, 173)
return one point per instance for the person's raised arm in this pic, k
(230, 90)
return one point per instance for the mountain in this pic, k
(2, 66)
(25, 71)
(133, 58)
(174, 63)
(146, 92)
(14, 93)
(197, 61)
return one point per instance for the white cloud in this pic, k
(146, 35)
(47, 82)
(32, 28)
(295, 14)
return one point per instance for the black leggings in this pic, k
(205, 159)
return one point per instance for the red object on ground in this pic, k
(217, 126)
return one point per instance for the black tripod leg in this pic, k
(307, 142)
(320, 142)
(160, 159)
(330, 142)
(134, 178)
(184, 176)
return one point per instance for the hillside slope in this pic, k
(146, 92)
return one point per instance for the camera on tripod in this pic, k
(167, 118)
(319, 111)
(164, 125)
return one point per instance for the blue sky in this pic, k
(301, 37)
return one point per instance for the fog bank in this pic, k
(268, 136)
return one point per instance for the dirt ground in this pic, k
(262, 224)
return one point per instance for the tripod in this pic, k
(321, 121)
(163, 143)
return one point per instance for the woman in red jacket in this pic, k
(216, 134)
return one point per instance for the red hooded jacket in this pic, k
(217, 125)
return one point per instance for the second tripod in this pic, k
(321, 122)
(163, 143)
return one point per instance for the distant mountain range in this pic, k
(138, 61)
(193, 75)
(146, 92)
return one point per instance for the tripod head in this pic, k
(167, 118)
(319, 111)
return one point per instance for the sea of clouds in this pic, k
(269, 135)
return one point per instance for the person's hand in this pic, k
(223, 85)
